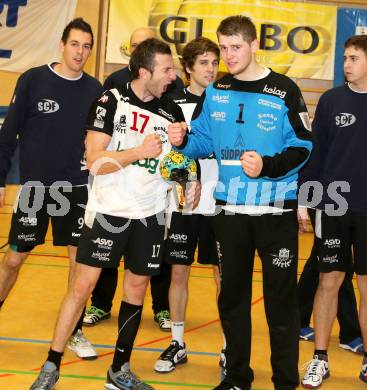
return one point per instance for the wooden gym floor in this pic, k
(28, 316)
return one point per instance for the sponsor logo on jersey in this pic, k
(274, 91)
(283, 258)
(103, 99)
(223, 99)
(268, 103)
(101, 256)
(48, 106)
(27, 237)
(162, 132)
(305, 118)
(267, 122)
(179, 255)
(120, 127)
(223, 86)
(332, 243)
(178, 238)
(100, 114)
(330, 259)
(150, 164)
(103, 243)
(218, 116)
(231, 154)
(73, 234)
(153, 265)
(166, 114)
(344, 119)
(28, 221)
(178, 101)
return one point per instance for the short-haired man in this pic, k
(48, 113)
(340, 136)
(126, 140)
(103, 293)
(254, 120)
(200, 60)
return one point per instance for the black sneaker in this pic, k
(227, 386)
(163, 319)
(173, 355)
(125, 379)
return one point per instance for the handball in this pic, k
(175, 166)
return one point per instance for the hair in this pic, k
(358, 41)
(144, 55)
(238, 25)
(195, 48)
(77, 24)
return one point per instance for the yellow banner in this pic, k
(296, 39)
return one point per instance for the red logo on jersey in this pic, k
(103, 99)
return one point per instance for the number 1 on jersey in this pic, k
(240, 114)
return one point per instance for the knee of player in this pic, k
(180, 274)
(16, 255)
(331, 281)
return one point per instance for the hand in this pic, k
(176, 133)
(252, 163)
(193, 193)
(2, 197)
(302, 219)
(151, 147)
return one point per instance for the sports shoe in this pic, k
(163, 319)
(93, 316)
(47, 377)
(227, 386)
(355, 346)
(125, 379)
(307, 334)
(173, 355)
(81, 346)
(317, 370)
(222, 358)
(363, 373)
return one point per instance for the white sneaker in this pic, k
(173, 355)
(317, 370)
(81, 346)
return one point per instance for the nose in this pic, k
(173, 75)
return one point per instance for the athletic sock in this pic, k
(177, 330)
(55, 357)
(321, 353)
(128, 322)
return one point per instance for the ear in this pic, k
(255, 46)
(61, 46)
(144, 74)
(188, 70)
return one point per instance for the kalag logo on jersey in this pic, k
(166, 114)
(274, 91)
(267, 122)
(181, 238)
(218, 116)
(48, 106)
(150, 164)
(28, 221)
(103, 243)
(344, 119)
(222, 99)
(283, 259)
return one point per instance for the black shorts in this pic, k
(185, 233)
(35, 206)
(108, 238)
(338, 235)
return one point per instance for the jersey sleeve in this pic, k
(101, 114)
(199, 143)
(13, 124)
(297, 140)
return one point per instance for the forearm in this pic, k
(105, 162)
